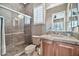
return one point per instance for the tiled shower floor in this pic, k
(15, 50)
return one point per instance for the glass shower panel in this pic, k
(14, 31)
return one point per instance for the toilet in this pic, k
(30, 49)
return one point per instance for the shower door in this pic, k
(2, 37)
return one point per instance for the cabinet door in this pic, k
(65, 49)
(48, 49)
(76, 50)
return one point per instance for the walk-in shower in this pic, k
(17, 30)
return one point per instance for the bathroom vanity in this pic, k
(53, 45)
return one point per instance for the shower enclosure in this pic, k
(17, 31)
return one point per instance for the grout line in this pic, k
(14, 33)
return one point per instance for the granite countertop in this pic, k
(61, 38)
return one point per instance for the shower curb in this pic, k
(19, 53)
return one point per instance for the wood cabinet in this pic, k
(48, 49)
(64, 49)
(77, 50)
(53, 48)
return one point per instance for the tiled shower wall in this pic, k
(13, 34)
(14, 29)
